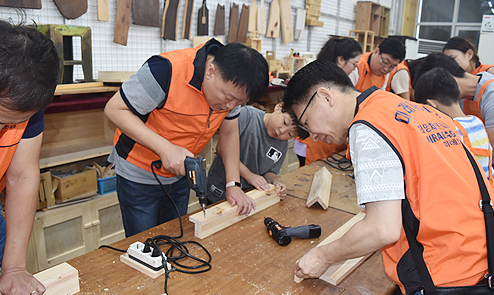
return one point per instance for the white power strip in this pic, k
(135, 252)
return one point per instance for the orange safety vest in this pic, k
(481, 68)
(317, 150)
(440, 186)
(476, 151)
(185, 120)
(10, 136)
(401, 66)
(472, 107)
(366, 78)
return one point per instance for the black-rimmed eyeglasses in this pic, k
(298, 120)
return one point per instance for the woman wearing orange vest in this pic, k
(170, 109)
(465, 53)
(29, 67)
(410, 169)
(477, 91)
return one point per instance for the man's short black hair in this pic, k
(393, 47)
(316, 73)
(438, 60)
(29, 66)
(245, 67)
(437, 84)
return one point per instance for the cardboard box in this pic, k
(79, 185)
(46, 198)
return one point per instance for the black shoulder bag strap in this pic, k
(423, 272)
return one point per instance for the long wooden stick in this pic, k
(223, 215)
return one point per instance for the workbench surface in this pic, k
(245, 259)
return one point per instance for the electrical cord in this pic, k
(338, 161)
(175, 245)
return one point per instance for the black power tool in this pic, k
(196, 177)
(283, 235)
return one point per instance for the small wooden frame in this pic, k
(59, 279)
(320, 189)
(223, 215)
(340, 270)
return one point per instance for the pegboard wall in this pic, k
(143, 41)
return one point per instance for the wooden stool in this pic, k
(62, 35)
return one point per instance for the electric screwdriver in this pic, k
(283, 235)
(195, 170)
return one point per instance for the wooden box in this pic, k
(79, 185)
(45, 194)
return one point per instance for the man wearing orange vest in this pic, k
(477, 91)
(411, 172)
(29, 66)
(169, 110)
(384, 68)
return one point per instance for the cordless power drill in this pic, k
(195, 170)
(283, 235)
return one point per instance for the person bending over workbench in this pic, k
(170, 109)
(411, 172)
(29, 67)
(263, 147)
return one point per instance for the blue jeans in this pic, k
(3, 234)
(144, 206)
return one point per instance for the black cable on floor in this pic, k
(338, 161)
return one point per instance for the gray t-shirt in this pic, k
(487, 101)
(258, 151)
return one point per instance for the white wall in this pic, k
(338, 17)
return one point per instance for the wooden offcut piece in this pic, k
(140, 267)
(252, 26)
(203, 20)
(170, 20)
(21, 3)
(187, 25)
(59, 279)
(261, 19)
(320, 189)
(146, 13)
(103, 10)
(286, 21)
(122, 22)
(243, 24)
(233, 25)
(223, 215)
(219, 21)
(273, 30)
(71, 9)
(337, 272)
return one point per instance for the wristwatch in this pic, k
(233, 183)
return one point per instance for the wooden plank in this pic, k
(233, 26)
(286, 21)
(187, 24)
(223, 215)
(261, 19)
(122, 22)
(243, 24)
(146, 13)
(114, 76)
(273, 30)
(169, 23)
(320, 189)
(36, 4)
(252, 26)
(203, 20)
(409, 17)
(103, 10)
(137, 266)
(337, 272)
(219, 21)
(59, 279)
(71, 9)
